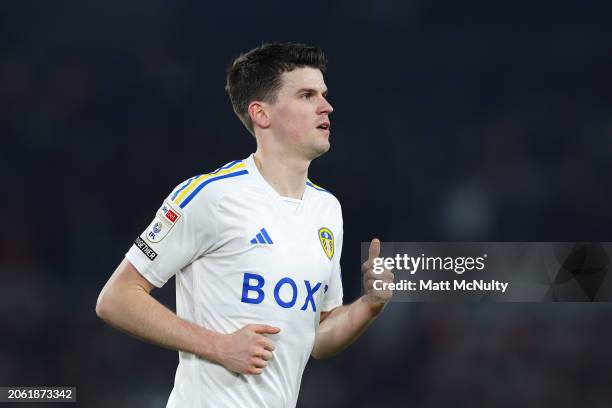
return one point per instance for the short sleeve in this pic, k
(334, 294)
(175, 238)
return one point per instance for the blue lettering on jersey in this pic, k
(310, 294)
(248, 288)
(277, 288)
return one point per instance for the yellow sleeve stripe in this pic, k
(316, 187)
(199, 180)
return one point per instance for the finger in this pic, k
(267, 344)
(265, 354)
(254, 370)
(370, 274)
(374, 250)
(265, 329)
(369, 284)
(386, 276)
(259, 362)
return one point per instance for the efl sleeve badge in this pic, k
(327, 241)
(165, 219)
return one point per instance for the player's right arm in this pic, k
(178, 235)
(126, 304)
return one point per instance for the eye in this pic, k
(306, 95)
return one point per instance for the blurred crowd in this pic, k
(452, 122)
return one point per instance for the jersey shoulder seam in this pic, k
(187, 191)
(312, 185)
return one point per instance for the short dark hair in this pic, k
(256, 74)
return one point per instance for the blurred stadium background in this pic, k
(453, 121)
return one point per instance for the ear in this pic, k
(259, 114)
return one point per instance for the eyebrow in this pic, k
(311, 90)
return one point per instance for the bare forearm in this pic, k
(134, 311)
(343, 326)
(125, 302)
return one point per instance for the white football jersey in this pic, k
(242, 254)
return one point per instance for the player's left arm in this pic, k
(343, 325)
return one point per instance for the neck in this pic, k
(286, 174)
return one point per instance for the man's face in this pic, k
(300, 115)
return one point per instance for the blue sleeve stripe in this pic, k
(183, 187)
(308, 183)
(227, 166)
(188, 182)
(230, 164)
(208, 181)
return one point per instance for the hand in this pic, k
(380, 296)
(247, 351)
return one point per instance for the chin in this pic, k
(320, 150)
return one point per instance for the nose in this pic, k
(325, 106)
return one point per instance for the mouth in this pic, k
(323, 126)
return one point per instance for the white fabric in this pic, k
(293, 204)
(209, 250)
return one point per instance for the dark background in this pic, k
(453, 121)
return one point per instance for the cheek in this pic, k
(293, 120)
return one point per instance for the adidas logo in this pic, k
(262, 238)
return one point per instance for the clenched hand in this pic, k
(247, 351)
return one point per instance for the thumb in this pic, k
(265, 329)
(374, 251)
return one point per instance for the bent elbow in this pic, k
(100, 308)
(103, 306)
(317, 354)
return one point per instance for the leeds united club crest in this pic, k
(327, 241)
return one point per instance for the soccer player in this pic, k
(255, 248)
